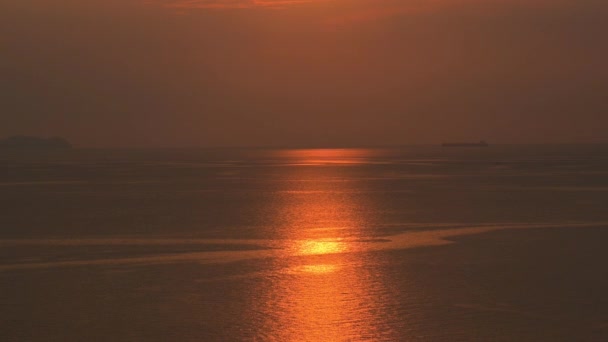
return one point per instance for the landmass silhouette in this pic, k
(21, 141)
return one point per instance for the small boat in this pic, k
(481, 143)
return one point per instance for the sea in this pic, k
(415, 243)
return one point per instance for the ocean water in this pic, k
(505, 243)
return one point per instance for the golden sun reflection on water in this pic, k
(322, 289)
(319, 247)
(318, 269)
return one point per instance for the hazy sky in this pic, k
(304, 72)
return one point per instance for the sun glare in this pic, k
(325, 156)
(318, 247)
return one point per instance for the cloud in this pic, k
(235, 4)
(369, 11)
(390, 6)
(349, 12)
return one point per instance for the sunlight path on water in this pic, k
(316, 293)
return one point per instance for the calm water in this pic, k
(421, 243)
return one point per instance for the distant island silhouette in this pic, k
(28, 142)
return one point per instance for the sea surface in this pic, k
(419, 243)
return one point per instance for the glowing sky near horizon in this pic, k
(304, 72)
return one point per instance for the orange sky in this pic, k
(304, 73)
